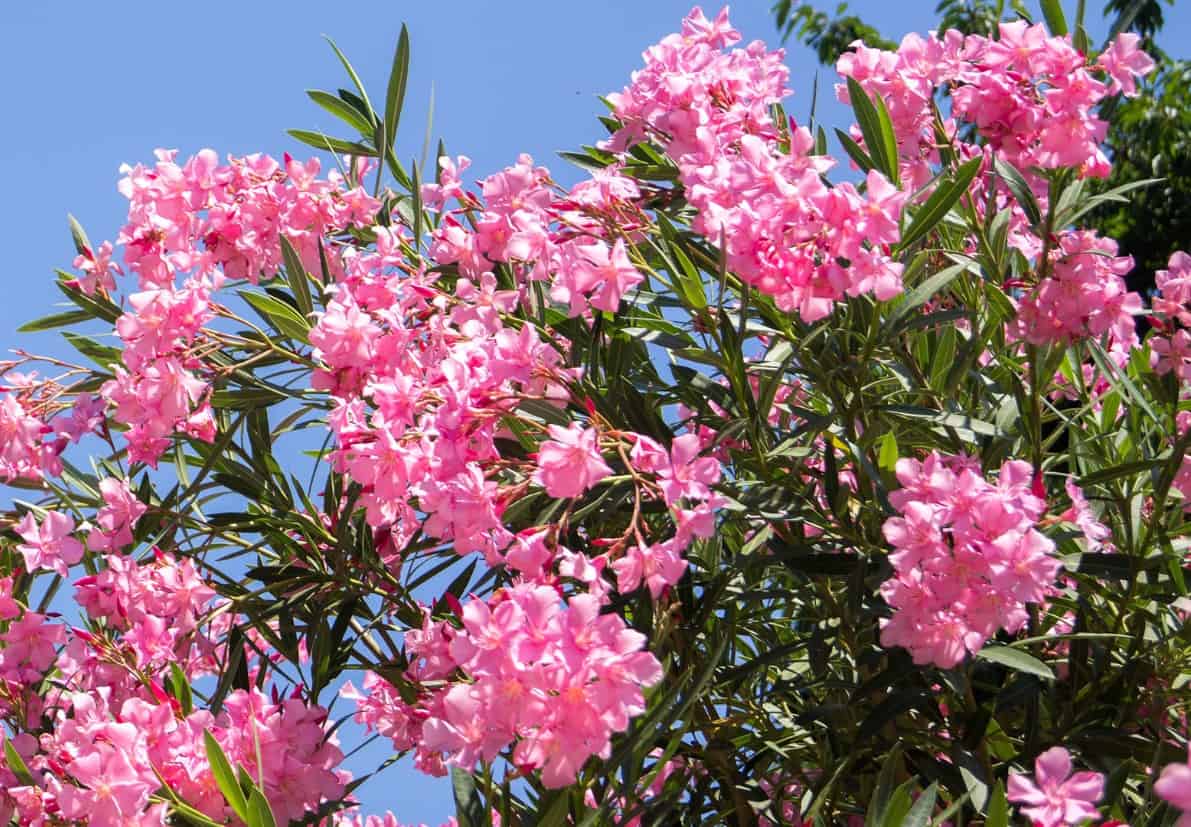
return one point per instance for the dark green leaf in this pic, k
(69, 317)
(81, 243)
(1021, 191)
(299, 280)
(328, 144)
(103, 355)
(947, 193)
(225, 776)
(17, 765)
(877, 129)
(369, 111)
(469, 806)
(1056, 21)
(341, 109)
(395, 93)
(284, 318)
(1016, 659)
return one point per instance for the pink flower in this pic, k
(1080, 513)
(117, 517)
(98, 270)
(1124, 61)
(569, 462)
(595, 271)
(1056, 797)
(1174, 786)
(685, 474)
(658, 566)
(49, 546)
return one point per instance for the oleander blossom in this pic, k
(1083, 296)
(191, 227)
(1031, 95)
(1057, 796)
(967, 556)
(547, 679)
(783, 229)
(1174, 786)
(1170, 344)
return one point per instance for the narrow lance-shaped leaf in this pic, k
(1016, 659)
(946, 195)
(328, 144)
(351, 72)
(395, 92)
(295, 273)
(341, 109)
(873, 119)
(225, 776)
(1056, 21)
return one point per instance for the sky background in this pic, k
(91, 85)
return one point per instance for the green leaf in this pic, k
(395, 93)
(1056, 21)
(341, 109)
(103, 355)
(328, 144)
(16, 763)
(369, 111)
(998, 808)
(960, 422)
(920, 813)
(299, 280)
(69, 317)
(225, 777)
(920, 295)
(1017, 185)
(284, 318)
(883, 792)
(877, 129)
(889, 451)
(469, 807)
(181, 688)
(260, 814)
(947, 193)
(246, 398)
(1017, 660)
(1080, 208)
(81, 244)
(854, 151)
(98, 306)
(1126, 469)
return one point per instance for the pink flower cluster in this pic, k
(1182, 478)
(1030, 95)
(24, 451)
(201, 222)
(113, 735)
(422, 376)
(574, 240)
(556, 678)
(1171, 345)
(967, 556)
(51, 545)
(104, 763)
(784, 230)
(1084, 295)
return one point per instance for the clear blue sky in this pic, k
(91, 85)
